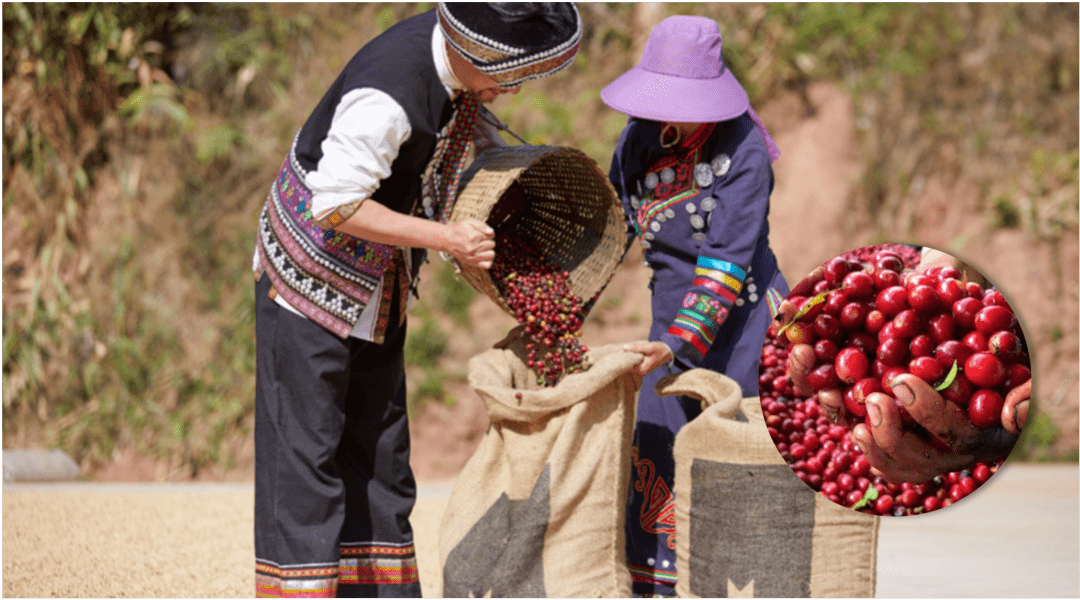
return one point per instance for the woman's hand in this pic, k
(1015, 411)
(656, 354)
(899, 455)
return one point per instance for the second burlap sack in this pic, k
(538, 509)
(746, 526)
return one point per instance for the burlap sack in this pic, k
(746, 526)
(538, 509)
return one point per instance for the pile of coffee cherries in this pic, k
(869, 320)
(541, 299)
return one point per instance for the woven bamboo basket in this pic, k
(556, 195)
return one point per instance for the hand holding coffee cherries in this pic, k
(934, 364)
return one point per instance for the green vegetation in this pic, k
(139, 141)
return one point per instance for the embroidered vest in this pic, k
(327, 275)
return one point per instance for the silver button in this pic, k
(739, 302)
(698, 237)
(721, 164)
(667, 175)
(751, 288)
(690, 207)
(645, 244)
(428, 201)
(753, 297)
(649, 236)
(661, 217)
(652, 180)
(703, 174)
(670, 213)
(697, 222)
(429, 212)
(654, 226)
(635, 202)
(708, 204)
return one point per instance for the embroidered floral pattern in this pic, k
(702, 314)
(674, 180)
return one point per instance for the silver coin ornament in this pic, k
(429, 212)
(698, 237)
(721, 164)
(652, 180)
(708, 204)
(655, 226)
(667, 175)
(753, 297)
(661, 217)
(645, 244)
(691, 207)
(703, 174)
(697, 222)
(649, 236)
(428, 201)
(669, 213)
(635, 202)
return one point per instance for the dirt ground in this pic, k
(1016, 537)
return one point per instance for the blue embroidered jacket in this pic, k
(700, 212)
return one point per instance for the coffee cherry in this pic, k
(984, 409)
(851, 365)
(964, 311)
(941, 327)
(959, 390)
(826, 350)
(884, 278)
(1005, 344)
(835, 270)
(892, 301)
(927, 368)
(892, 351)
(950, 291)
(991, 319)
(923, 299)
(921, 345)
(859, 285)
(984, 370)
(908, 324)
(823, 377)
(853, 315)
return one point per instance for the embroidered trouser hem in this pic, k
(333, 486)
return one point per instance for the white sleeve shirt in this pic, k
(366, 134)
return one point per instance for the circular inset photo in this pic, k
(895, 380)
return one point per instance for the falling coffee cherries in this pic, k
(541, 299)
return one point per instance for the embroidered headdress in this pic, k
(512, 42)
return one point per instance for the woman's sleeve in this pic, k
(734, 226)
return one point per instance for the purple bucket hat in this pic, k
(681, 77)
